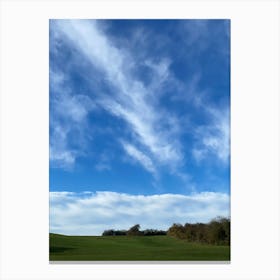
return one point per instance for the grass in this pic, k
(128, 248)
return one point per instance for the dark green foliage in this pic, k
(134, 231)
(153, 232)
(111, 232)
(216, 232)
(196, 232)
(219, 231)
(108, 232)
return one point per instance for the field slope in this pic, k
(128, 248)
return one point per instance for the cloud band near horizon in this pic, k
(90, 213)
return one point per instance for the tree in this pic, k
(108, 232)
(177, 230)
(219, 231)
(215, 232)
(112, 232)
(151, 232)
(134, 231)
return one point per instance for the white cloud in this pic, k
(60, 154)
(160, 71)
(219, 142)
(74, 107)
(62, 158)
(102, 167)
(91, 213)
(132, 100)
(154, 131)
(140, 157)
(103, 162)
(68, 115)
(214, 138)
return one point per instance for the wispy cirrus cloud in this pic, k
(68, 116)
(214, 139)
(152, 130)
(91, 213)
(140, 157)
(211, 139)
(130, 100)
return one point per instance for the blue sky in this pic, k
(139, 111)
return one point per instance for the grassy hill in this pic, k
(136, 248)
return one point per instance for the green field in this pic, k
(132, 248)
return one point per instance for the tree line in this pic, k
(217, 231)
(134, 231)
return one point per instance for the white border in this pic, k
(254, 138)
